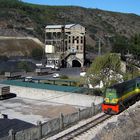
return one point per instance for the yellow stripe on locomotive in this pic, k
(112, 101)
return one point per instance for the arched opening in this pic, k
(64, 63)
(76, 63)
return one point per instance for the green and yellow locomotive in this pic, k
(118, 96)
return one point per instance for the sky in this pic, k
(125, 6)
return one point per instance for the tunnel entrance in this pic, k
(76, 63)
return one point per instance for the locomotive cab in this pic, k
(121, 95)
(110, 104)
(110, 96)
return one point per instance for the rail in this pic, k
(76, 132)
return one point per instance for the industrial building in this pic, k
(65, 45)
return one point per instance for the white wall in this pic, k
(56, 96)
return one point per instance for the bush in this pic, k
(2, 72)
(64, 77)
(76, 84)
(4, 58)
(24, 66)
(37, 53)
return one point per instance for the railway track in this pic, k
(76, 132)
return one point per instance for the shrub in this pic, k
(3, 58)
(37, 53)
(24, 66)
(64, 77)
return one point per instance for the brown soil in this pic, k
(48, 111)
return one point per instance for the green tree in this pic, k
(135, 45)
(105, 68)
(37, 53)
(24, 66)
(4, 58)
(10, 3)
(132, 72)
(121, 45)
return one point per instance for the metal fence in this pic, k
(42, 86)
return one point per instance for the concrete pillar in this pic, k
(79, 114)
(12, 134)
(39, 124)
(92, 109)
(61, 121)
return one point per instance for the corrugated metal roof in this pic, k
(59, 26)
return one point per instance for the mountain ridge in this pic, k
(18, 18)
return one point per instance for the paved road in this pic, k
(70, 72)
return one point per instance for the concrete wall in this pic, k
(53, 126)
(28, 134)
(70, 119)
(56, 96)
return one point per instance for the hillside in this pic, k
(21, 46)
(23, 19)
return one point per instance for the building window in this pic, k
(81, 40)
(58, 35)
(66, 44)
(77, 38)
(54, 35)
(73, 39)
(69, 39)
(48, 42)
(81, 47)
(77, 47)
(53, 43)
(48, 35)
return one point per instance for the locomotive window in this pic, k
(138, 85)
(110, 90)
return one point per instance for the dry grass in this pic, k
(17, 47)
